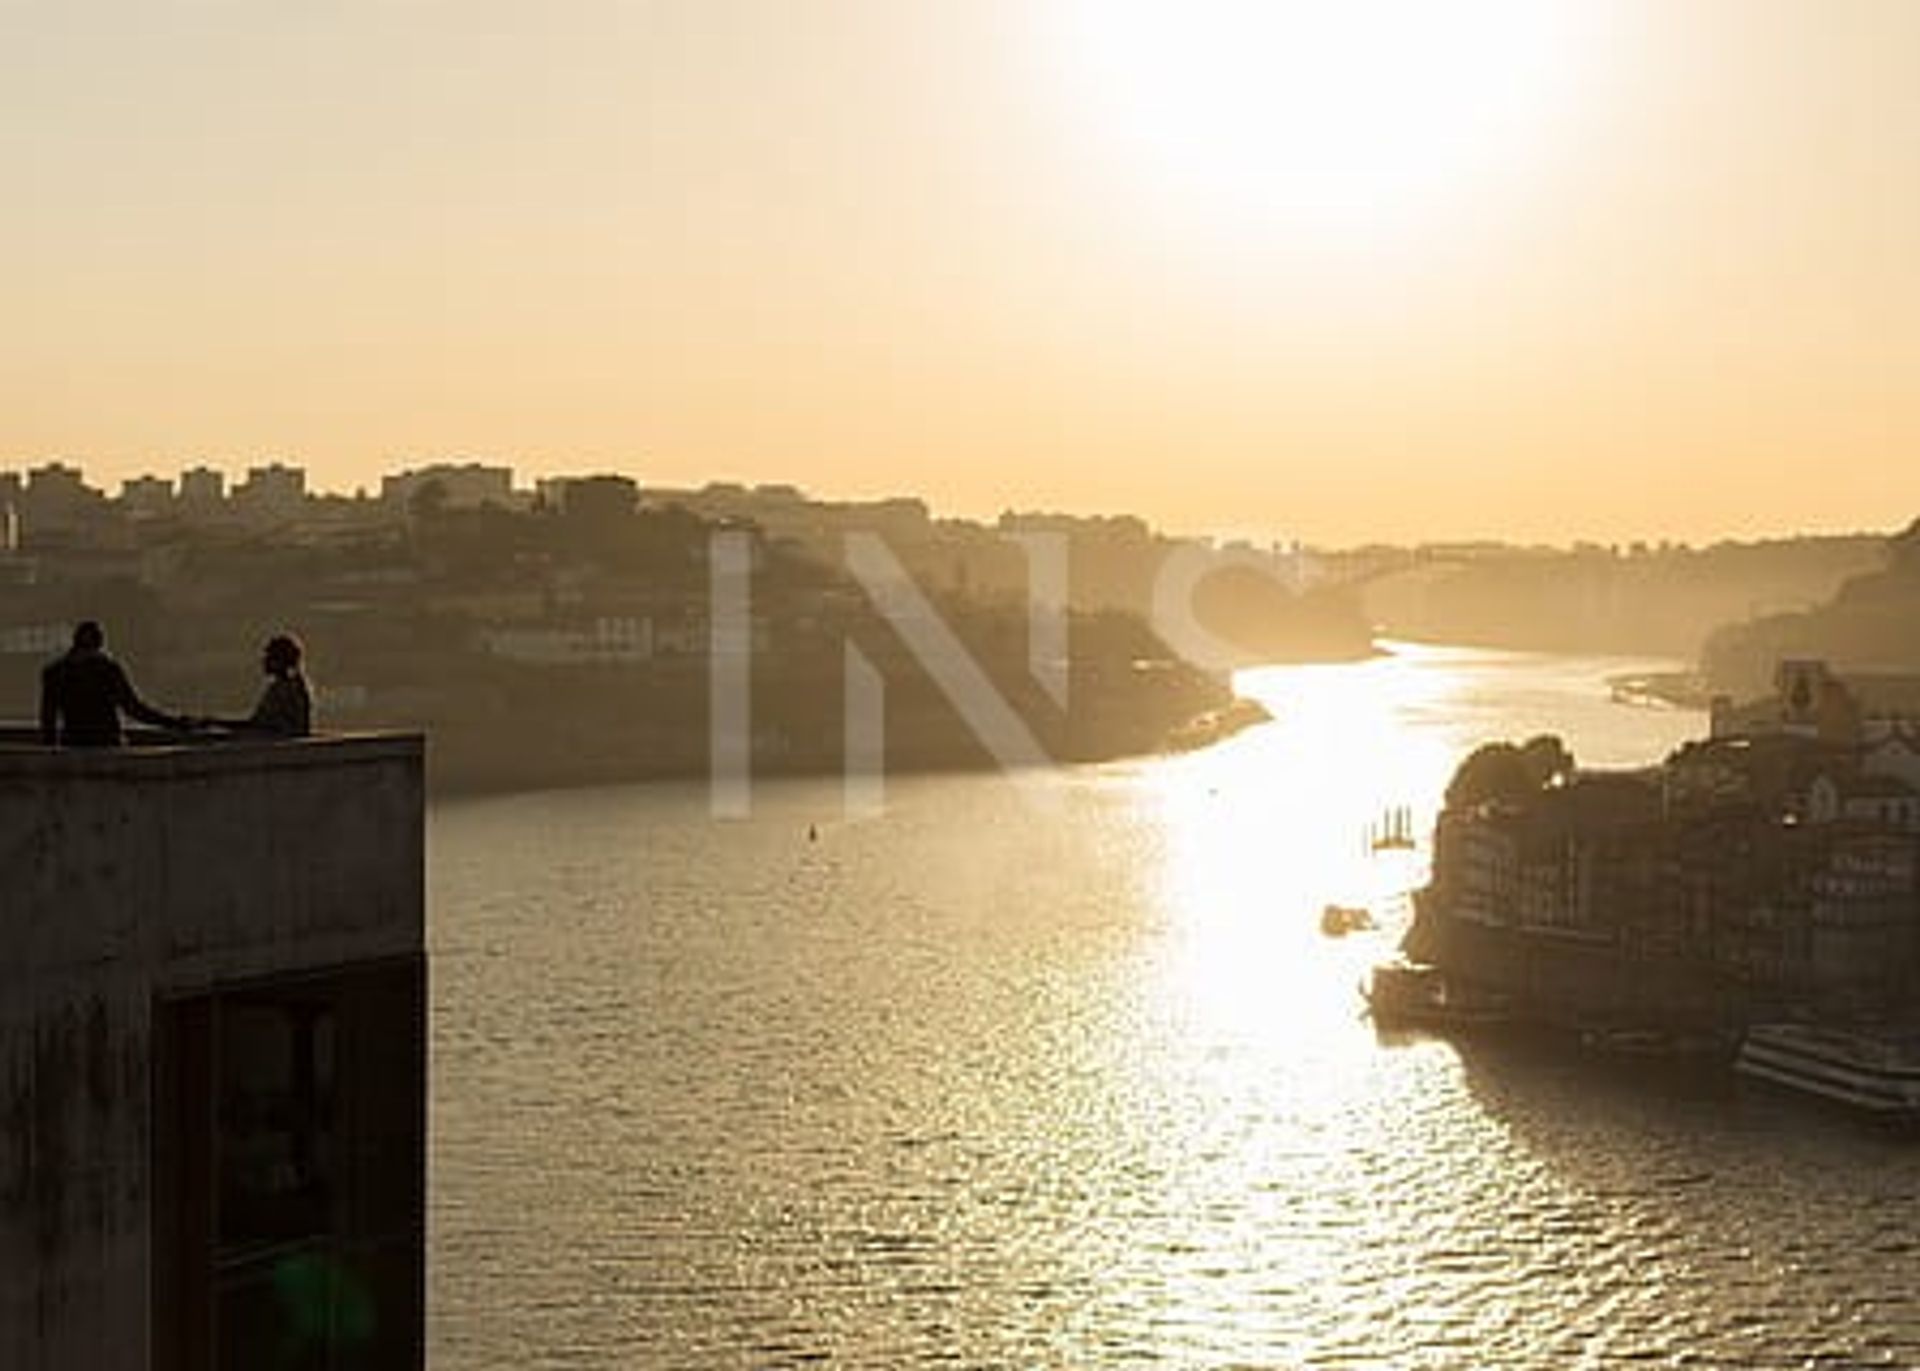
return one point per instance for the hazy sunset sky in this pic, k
(1339, 272)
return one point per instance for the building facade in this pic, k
(212, 1055)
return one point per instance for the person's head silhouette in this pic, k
(88, 636)
(281, 655)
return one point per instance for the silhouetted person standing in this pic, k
(83, 694)
(285, 709)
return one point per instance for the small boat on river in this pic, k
(1338, 920)
(1395, 833)
(1412, 995)
(1873, 1070)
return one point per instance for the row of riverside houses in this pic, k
(1766, 871)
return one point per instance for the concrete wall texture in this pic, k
(136, 873)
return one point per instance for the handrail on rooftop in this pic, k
(21, 748)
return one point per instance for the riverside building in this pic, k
(1770, 871)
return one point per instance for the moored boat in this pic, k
(1872, 1070)
(1413, 995)
(1338, 920)
(1395, 832)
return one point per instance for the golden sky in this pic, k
(1530, 270)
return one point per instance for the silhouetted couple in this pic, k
(84, 693)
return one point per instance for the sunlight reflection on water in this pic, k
(962, 1082)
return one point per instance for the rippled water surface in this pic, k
(1065, 1075)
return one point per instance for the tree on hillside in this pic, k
(1501, 773)
(1547, 760)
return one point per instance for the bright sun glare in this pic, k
(1347, 115)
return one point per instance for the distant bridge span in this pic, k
(1351, 570)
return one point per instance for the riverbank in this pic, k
(1661, 689)
(462, 770)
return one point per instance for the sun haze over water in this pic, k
(949, 1085)
(1341, 271)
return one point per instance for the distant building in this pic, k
(606, 640)
(470, 485)
(12, 496)
(57, 501)
(147, 495)
(1896, 755)
(903, 521)
(1811, 700)
(56, 481)
(592, 498)
(203, 492)
(1865, 799)
(39, 641)
(272, 494)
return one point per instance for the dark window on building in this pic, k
(289, 1195)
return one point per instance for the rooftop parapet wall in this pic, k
(209, 860)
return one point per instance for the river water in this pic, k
(1063, 1074)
